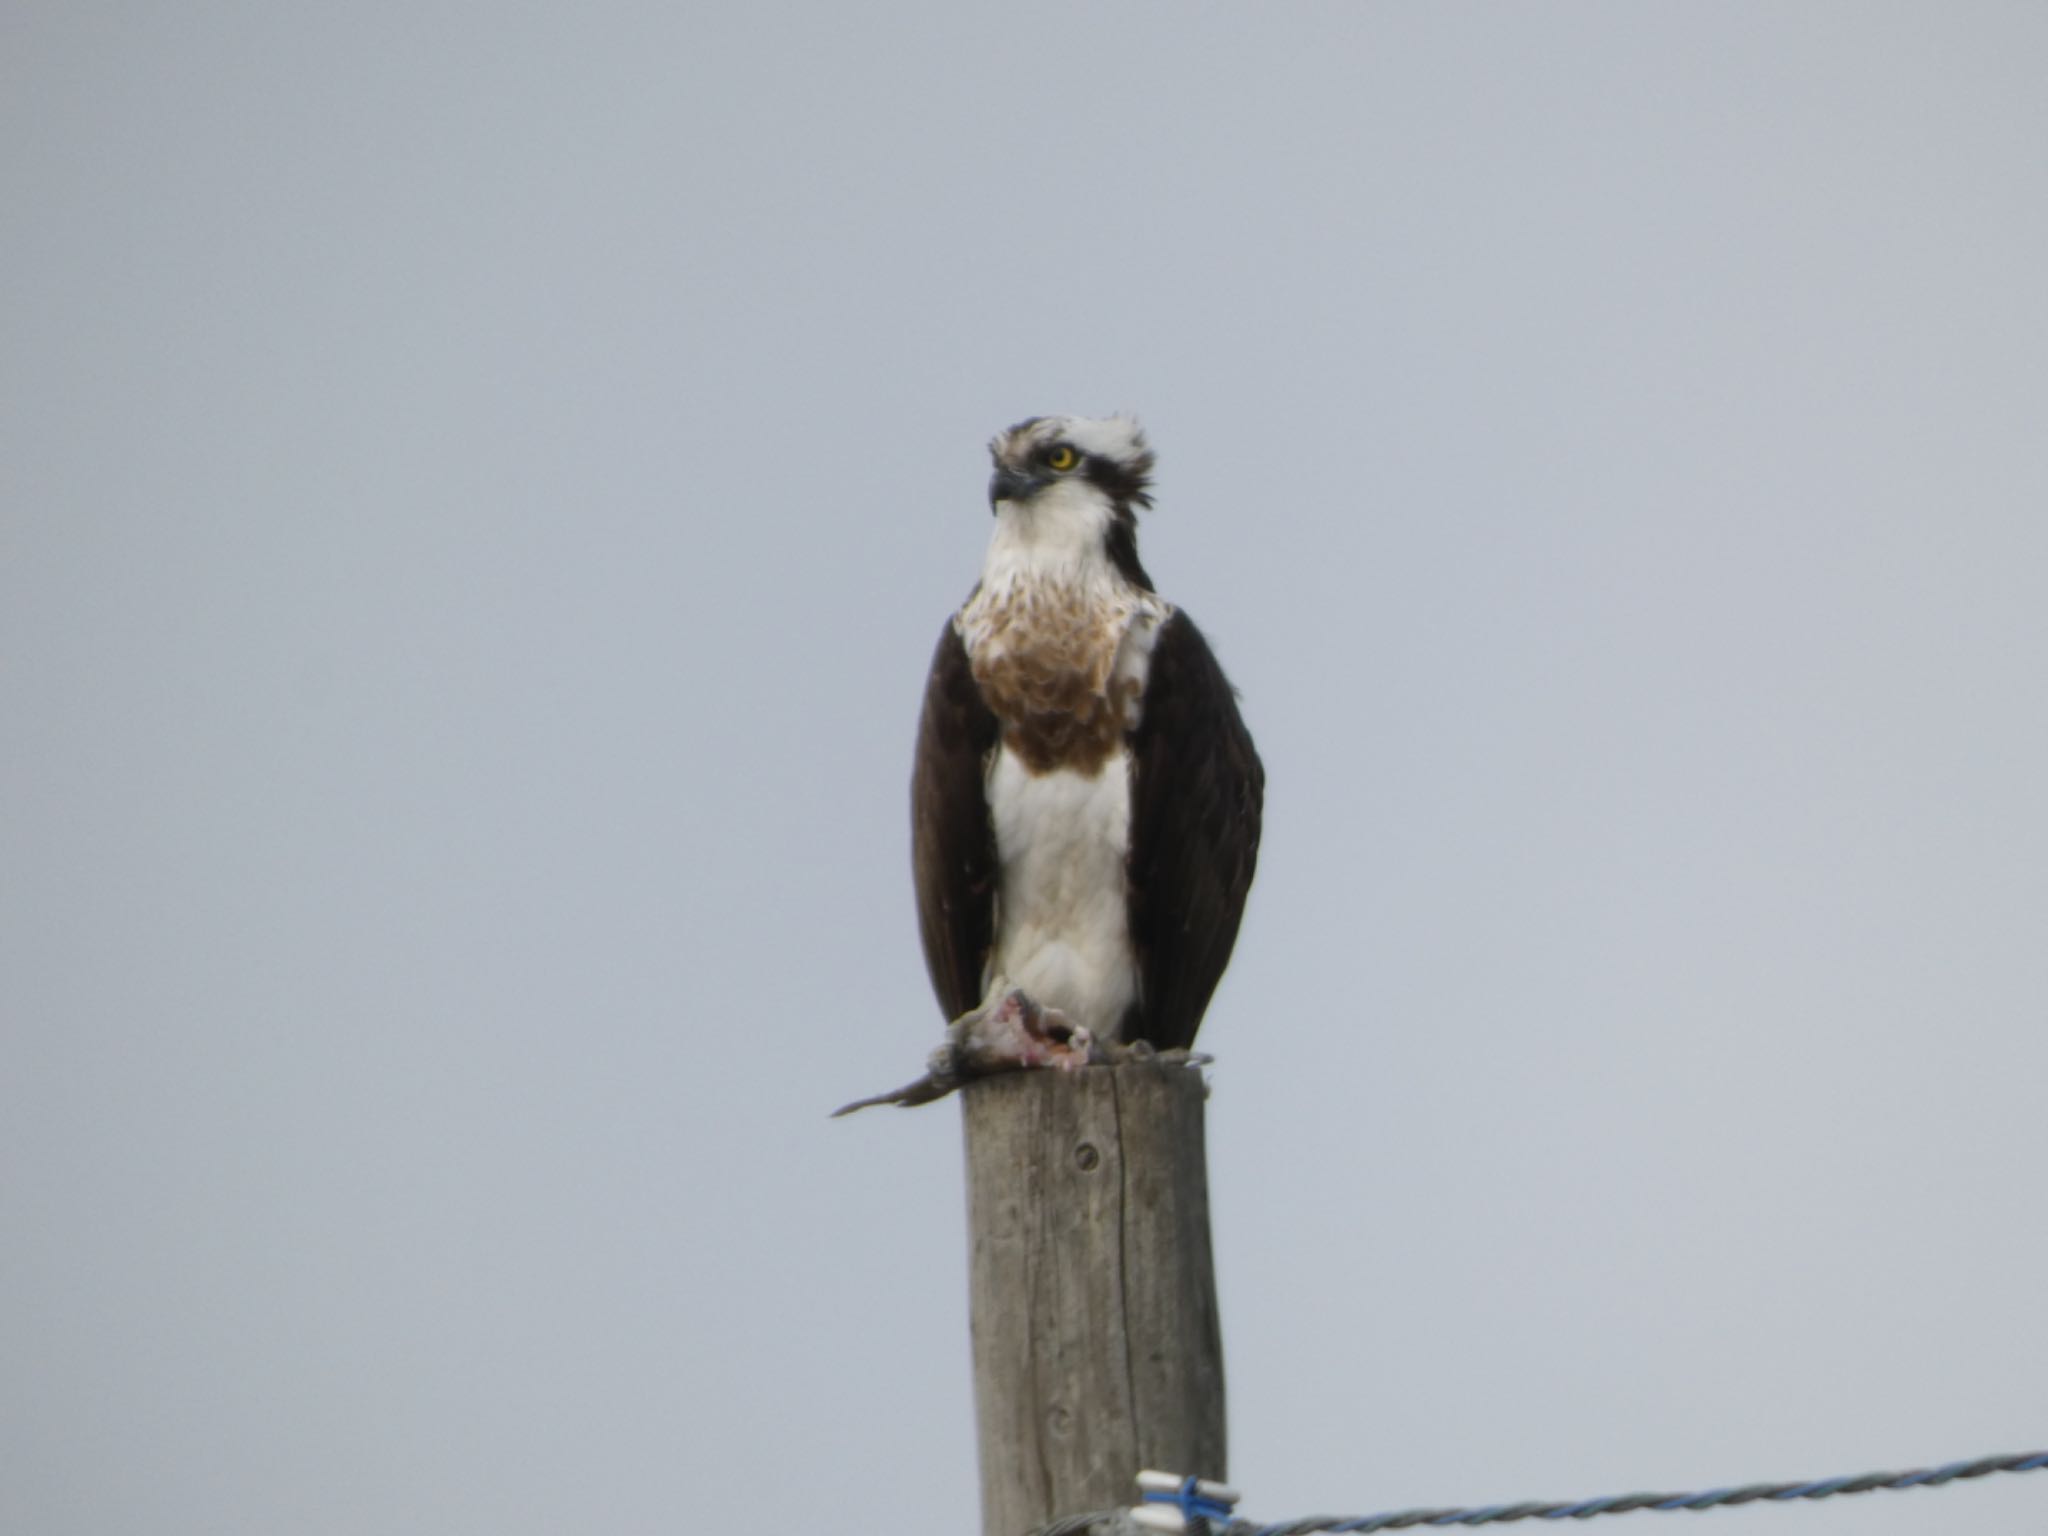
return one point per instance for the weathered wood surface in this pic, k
(1097, 1346)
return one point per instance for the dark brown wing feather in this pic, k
(1196, 794)
(952, 842)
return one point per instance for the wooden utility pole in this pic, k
(1097, 1347)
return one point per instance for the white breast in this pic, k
(1062, 929)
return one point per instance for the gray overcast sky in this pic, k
(478, 488)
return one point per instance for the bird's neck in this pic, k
(1058, 540)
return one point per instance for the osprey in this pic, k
(1086, 799)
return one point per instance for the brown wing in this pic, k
(952, 842)
(1196, 794)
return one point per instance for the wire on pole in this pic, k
(1577, 1509)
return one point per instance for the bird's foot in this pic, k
(1114, 1053)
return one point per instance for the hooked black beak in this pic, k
(1012, 485)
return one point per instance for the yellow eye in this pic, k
(1062, 458)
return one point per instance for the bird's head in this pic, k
(1074, 483)
(1069, 457)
